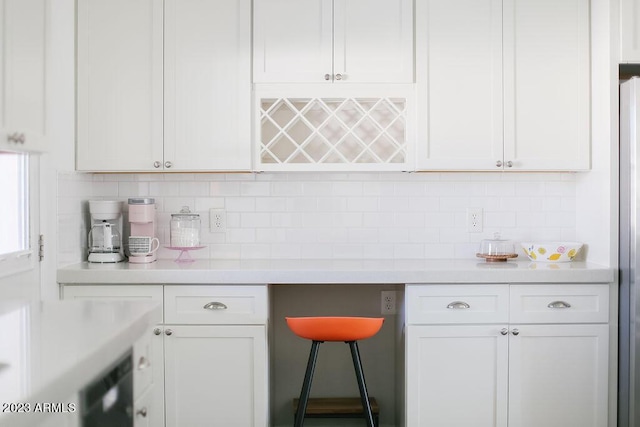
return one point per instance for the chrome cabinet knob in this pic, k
(168, 165)
(509, 164)
(142, 412)
(16, 138)
(157, 331)
(499, 163)
(504, 331)
(338, 76)
(157, 164)
(327, 77)
(515, 331)
(168, 332)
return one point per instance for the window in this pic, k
(14, 209)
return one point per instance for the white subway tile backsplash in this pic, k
(362, 204)
(335, 215)
(255, 189)
(223, 188)
(287, 189)
(348, 188)
(240, 204)
(193, 188)
(162, 188)
(203, 204)
(410, 219)
(255, 219)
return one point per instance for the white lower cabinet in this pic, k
(475, 367)
(215, 376)
(459, 376)
(558, 376)
(206, 364)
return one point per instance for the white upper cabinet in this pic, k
(493, 88)
(351, 41)
(164, 85)
(630, 31)
(292, 40)
(207, 87)
(547, 84)
(459, 75)
(22, 74)
(119, 85)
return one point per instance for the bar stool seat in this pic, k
(347, 329)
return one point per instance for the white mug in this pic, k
(143, 245)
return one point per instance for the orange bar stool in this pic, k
(347, 329)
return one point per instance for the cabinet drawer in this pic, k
(441, 304)
(559, 304)
(215, 304)
(113, 292)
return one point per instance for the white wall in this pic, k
(335, 215)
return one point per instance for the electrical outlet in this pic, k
(388, 302)
(217, 220)
(474, 220)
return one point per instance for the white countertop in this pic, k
(294, 271)
(50, 350)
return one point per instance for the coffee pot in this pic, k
(104, 240)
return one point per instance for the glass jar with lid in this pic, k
(497, 249)
(185, 229)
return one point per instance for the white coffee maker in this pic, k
(105, 240)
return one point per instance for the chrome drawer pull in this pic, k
(504, 331)
(215, 306)
(458, 305)
(559, 304)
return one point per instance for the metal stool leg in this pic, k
(364, 396)
(306, 385)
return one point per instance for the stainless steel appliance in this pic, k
(108, 400)
(629, 309)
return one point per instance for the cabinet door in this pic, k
(207, 85)
(558, 376)
(459, 79)
(630, 31)
(292, 41)
(215, 376)
(373, 41)
(119, 85)
(547, 84)
(22, 74)
(457, 376)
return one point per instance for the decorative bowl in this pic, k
(552, 251)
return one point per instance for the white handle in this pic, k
(157, 242)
